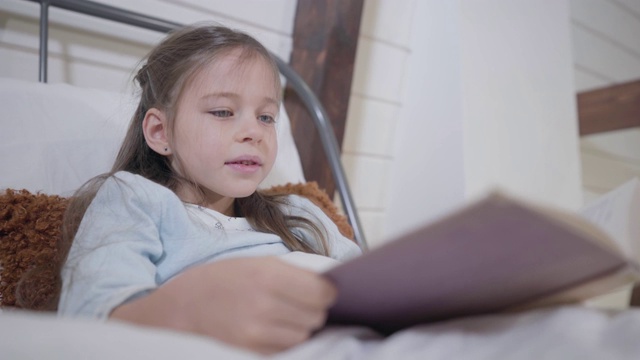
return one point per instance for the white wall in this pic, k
(520, 120)
(490, 103)
(492, 83)
(606, 50)
(90, 52)
(414, 110)
(605, 42)
(427, 175)
(374, 108)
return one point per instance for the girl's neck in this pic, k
(222, 204)
(228, 210)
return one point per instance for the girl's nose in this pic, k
(250, 129)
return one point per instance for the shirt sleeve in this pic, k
(113, 256)
(340, 247)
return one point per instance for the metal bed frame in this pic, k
(316, 110)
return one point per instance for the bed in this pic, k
(55, 126)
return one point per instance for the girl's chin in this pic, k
(242, 192)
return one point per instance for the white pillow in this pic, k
(54, 137)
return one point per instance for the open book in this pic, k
(497, 254)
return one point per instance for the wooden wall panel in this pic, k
(611, 108)
(635, 297)
(324, 49)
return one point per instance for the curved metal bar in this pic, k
(315, 108)
(329, 143)
(113, 13)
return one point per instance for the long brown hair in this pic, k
(168, 68)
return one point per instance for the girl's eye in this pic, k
(221, 113)
(267, 119)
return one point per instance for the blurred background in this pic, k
(448, 99)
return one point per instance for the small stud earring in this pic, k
(166, 149)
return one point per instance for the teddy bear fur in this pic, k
(318, 196)
(30, 226)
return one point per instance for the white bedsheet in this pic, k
(557, 333)
(560, 333)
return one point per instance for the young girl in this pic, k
(176, 235)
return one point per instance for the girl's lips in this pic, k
(245, 164)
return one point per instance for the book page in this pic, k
(618, 214)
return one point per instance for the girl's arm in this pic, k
(261, 304)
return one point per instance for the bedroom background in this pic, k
(449, 98)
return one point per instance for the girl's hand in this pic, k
(262, 304)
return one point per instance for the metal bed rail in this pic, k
(316, 110)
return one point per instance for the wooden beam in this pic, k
(325, 38)
(635, 297)
(611, 108)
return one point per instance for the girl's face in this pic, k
(225, 130)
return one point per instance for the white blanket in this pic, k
(556, 333)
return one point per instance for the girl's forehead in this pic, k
(234, 68)
(237, 64)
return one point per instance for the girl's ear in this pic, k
(155, 130)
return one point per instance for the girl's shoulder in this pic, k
(301, 205)
(298, 205)
(135, 187)
(134, 181)
(129, 195)
(340, 247)
(131, 178)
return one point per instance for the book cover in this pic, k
(494, 255)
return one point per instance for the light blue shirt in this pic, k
(136, 235)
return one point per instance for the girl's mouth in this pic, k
(242, 162)
(244, 165)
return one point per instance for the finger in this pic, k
(300, 286)
(314, 292)
(292, 314)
